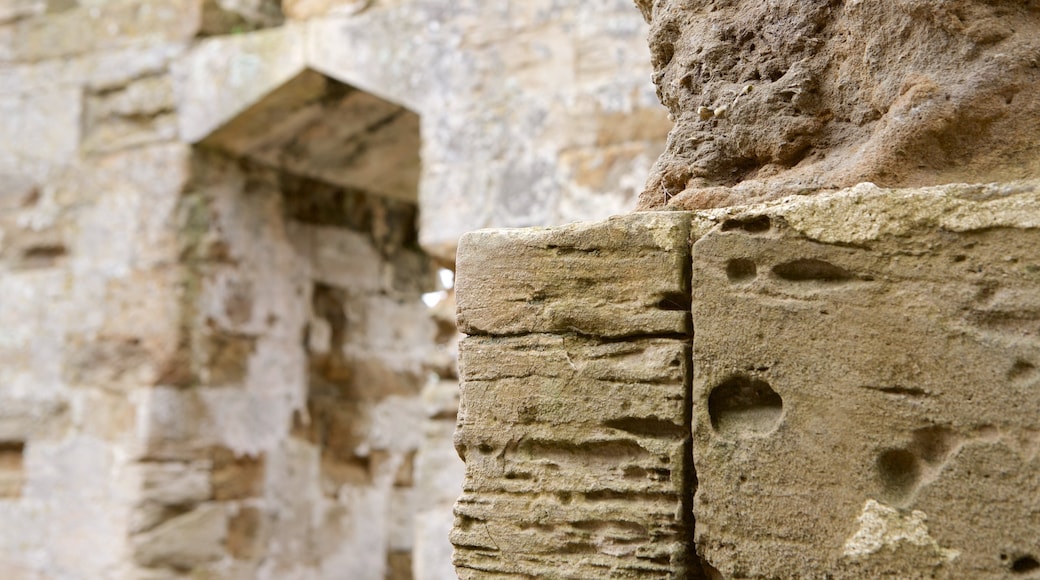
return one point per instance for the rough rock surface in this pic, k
(556, 487)
(865, 391)
(576, 446)
(862, 404)
(786, 96)
(622, 277)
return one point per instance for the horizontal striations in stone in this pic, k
(558, 547)
(627, 276)
(575, 452)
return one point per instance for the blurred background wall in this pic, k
(227, 230)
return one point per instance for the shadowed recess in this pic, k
(1025, 564)
(647, 427)
(675, 302)
(588, 452)
(743, 406)
(755, 225)
(811, 269)
(899, 472)
(741, 270)
(1022, 370)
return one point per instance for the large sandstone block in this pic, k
(576, 453)
(865, 390)
(627, 276)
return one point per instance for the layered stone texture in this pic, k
(578, 279)
(575, 433)
(779, 98)
(863, 388)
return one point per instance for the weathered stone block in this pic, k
(137, 114)
(43, 126)
(175, 483)
(167, 490)
(865, 392)
(575, 454)
(186, 541)
(625, 277)
(75, 28)
(22, 419)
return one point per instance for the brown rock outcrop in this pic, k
(785, 97)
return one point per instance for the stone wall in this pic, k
(300, 353)
(214, 359)
(860, 399)
(574, 417)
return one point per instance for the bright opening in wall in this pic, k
(447, 282)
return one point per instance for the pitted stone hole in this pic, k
(899, 471)
(741, 270)
(1022, 370)
(42, 256)
(808, 270)
(755, 225)
(744, 406)
(1024, 564)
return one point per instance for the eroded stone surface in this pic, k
(778, 98)
(863, 375)
(873, 354)
(624, 277)
(558, 486)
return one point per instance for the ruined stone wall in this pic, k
(860, 400)
(213, 356)
(532, 113)
(851, 392)
(300, 355)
